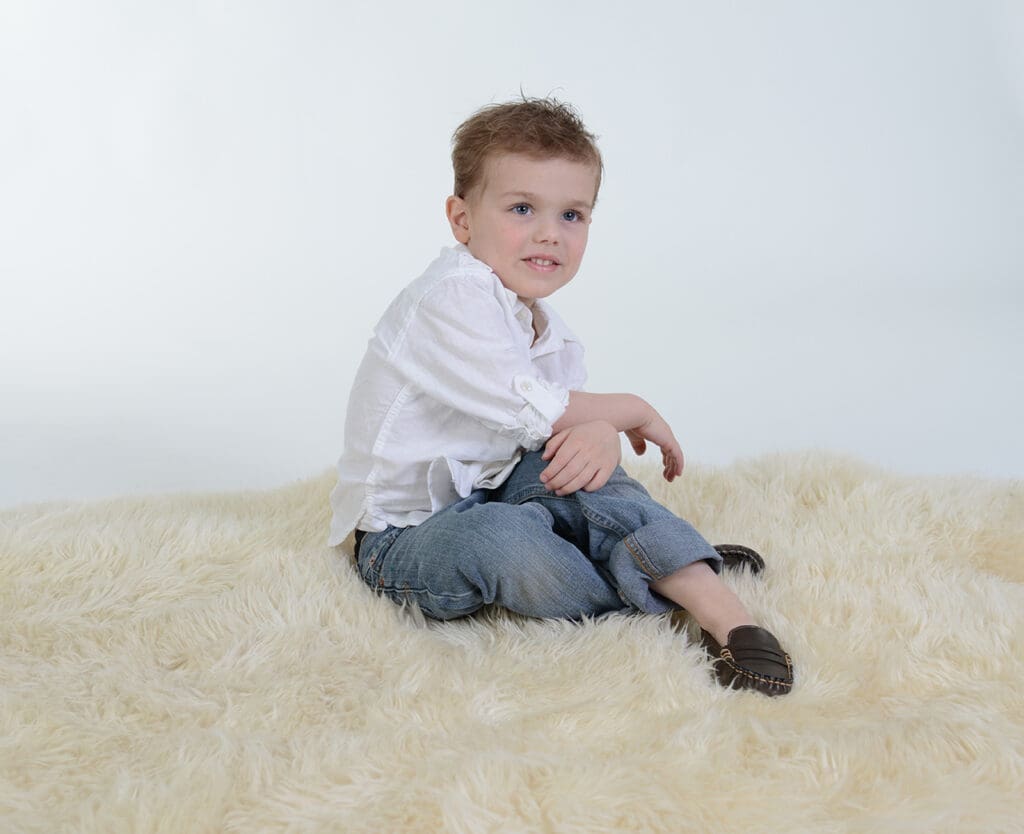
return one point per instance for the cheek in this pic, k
(579, 240)
(513, 237)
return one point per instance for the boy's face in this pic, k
(528, 220)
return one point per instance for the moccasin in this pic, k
(751, 659)
(735, 556)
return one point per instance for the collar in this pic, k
(552, 332)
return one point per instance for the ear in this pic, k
(458, 218)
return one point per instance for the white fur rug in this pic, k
(203, 663)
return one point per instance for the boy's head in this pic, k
(526, 180)
(542, 128)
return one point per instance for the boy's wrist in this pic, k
(631, 411)
(644, 412)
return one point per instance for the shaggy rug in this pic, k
(204, 663)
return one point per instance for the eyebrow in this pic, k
(528, 196)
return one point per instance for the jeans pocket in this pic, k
(372, 552)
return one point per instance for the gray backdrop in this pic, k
(809, 236)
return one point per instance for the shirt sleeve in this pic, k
(459, 347)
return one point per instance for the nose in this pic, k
(545, 230)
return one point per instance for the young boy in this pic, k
(476, 470)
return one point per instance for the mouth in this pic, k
(542, 264)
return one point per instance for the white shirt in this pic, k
(452, 388)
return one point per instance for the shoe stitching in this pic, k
(746, 557)
(726, 655)
(728, 551)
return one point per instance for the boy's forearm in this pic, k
(624, 411)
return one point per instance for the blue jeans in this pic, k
(536, 553)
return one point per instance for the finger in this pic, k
(556, 472)
(569, 475)
(673, 464)
(561, 453)
(570, 471)
(553, 444)
(677, 461)
(599, 480)
(577, 483)
(637, 442)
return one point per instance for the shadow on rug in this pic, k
(204, 663)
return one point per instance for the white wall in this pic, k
(810, 232)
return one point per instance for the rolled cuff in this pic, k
(545, 403)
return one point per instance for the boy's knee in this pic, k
(512, 556)
(509, 532)
(518, 543)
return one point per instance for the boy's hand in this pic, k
(582, 457)
(656, 430)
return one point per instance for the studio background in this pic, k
(809, 234)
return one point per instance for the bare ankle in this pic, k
(699, 590)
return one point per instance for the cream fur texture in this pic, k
(203, 663)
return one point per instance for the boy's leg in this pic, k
(653, 557)
(476, 552)
(623, 530)
(699, 590)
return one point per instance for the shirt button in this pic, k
(527, 386)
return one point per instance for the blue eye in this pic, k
(522, 209)
(572, 216)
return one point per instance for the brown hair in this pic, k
(538, 127)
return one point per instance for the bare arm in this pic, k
(624, 411)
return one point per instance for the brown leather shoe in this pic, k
(735, 556)
(751, 659)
